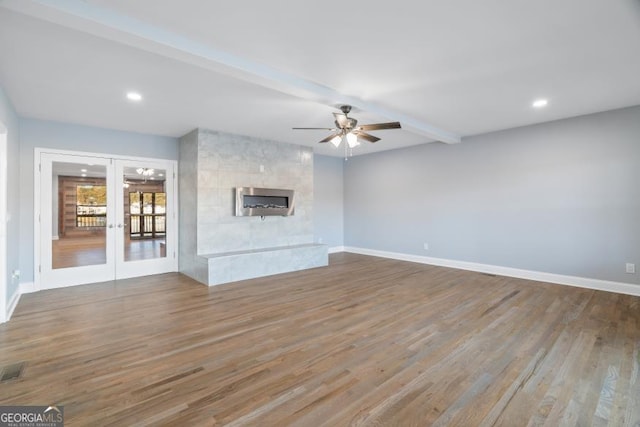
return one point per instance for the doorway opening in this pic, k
(104, 218)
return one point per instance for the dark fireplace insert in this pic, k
(253, 201)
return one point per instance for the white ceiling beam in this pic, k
(102, 22)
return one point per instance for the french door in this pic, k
(104, 218)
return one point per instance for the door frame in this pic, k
(37, 209)
(4, 283)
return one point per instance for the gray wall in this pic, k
(188, 208)
(561, 197)
(328, 202)
(9, 118)
(64, 136)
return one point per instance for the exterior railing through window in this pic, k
(147, 225)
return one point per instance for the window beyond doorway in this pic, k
(81, 205)
(91, 205)
(147, 212)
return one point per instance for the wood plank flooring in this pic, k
(91, 250)
(365, 341)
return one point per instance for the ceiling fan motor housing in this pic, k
(348, 126)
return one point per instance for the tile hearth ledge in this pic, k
(233, 266)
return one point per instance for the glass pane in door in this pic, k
(145, 210)
(79, 215)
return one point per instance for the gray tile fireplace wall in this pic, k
(218, 247)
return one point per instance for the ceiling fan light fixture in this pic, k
(145, 171)
(348, 131)
(352, 140)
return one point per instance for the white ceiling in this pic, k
(445, 69)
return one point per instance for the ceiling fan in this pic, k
(347, 128)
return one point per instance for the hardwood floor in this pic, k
(365, 341)
(91, 250)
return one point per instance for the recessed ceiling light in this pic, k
(83, 170)
(539, 103)
(134, 96)
(83, 175)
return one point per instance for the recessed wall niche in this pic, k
(218, 247)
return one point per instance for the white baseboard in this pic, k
(13, 302)
(23, 288)
(560, 279)
(27, 287)
(336, 249)
(55, 238)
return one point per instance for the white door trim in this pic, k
(4, 286)
(39, 150)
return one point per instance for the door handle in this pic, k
(110, 225)
(119, 225)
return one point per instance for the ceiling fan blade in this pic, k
(342, 120)
(366, 136)
(330, 137)
(331, 129)
(380, 126)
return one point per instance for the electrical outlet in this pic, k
(631, 268)
(426, 246)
